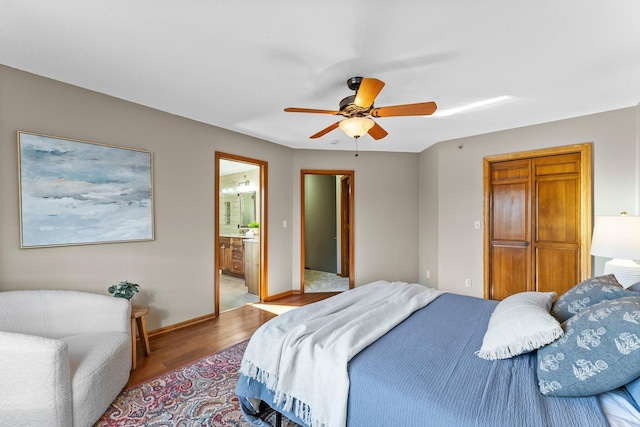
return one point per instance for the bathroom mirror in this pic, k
(247, 208)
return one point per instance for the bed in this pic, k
(425, 371)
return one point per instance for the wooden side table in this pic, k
(137, 317)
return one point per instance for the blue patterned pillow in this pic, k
(600, 351)
(586, 294)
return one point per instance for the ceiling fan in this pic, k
(358, 110)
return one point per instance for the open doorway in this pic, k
(327, 231)
(240, 231)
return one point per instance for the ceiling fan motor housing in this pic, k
(349, 109)
(354, 83)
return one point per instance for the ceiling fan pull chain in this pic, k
(356, 138)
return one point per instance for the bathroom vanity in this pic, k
(240, 257)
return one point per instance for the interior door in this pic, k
(510, 228)
(537, 220)
(556, 244)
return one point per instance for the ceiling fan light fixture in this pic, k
(355, 127)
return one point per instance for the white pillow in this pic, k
(520, 323)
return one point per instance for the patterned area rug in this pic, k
(200, 394)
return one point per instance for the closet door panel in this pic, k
(557, 222)
(510, 218)
(556, 269)
(509, 271)
(510, 225)
(558, 210)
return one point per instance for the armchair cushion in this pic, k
(97, 376)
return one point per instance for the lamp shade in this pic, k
(616, 237)
(355, 127)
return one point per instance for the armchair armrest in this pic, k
(35, 387)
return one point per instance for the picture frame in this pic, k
(74, 192)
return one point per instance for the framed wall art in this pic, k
(77, 192)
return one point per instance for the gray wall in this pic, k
(176, 271)
(385, 187)
(451, 196)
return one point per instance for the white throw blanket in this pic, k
(302, 355)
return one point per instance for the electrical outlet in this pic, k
(467, 283)
(428, 274)
(476, 225)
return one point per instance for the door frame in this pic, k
(351, 216)
(263, 220)
(586, 203)
(345, 225)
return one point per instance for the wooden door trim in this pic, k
(350, 174)
(586, 201)
(345, 226)
(264, 193)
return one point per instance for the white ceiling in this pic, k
(237, 64)
(228, 167)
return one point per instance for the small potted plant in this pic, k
(124, 289)
(254, 228)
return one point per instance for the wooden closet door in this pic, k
(510, 228)
(537, 220)
(556, 246)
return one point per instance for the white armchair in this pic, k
(64, 356)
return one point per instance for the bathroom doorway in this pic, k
(327, 231)
(240, 231)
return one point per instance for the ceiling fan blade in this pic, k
(367, 92)
(420, 109)
(377, 132)
(325, 131)
(309, 110)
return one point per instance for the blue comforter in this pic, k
(424, 373)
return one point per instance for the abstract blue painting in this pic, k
(75, 192)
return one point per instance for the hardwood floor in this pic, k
(176, 348)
